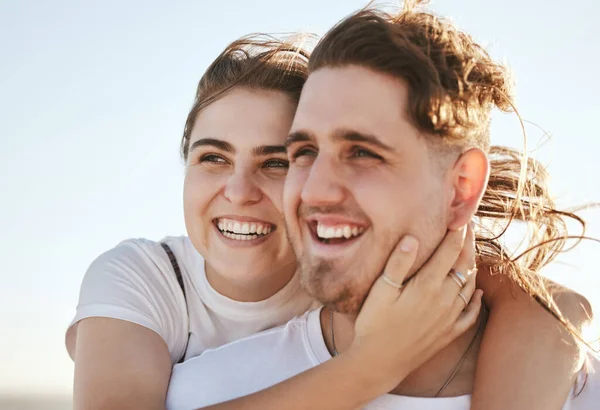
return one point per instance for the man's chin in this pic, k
(325, 286)
(347, 306)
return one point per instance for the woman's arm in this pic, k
(129, 326)
(119, 365)
(527, 359)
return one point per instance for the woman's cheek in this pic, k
(200, 187)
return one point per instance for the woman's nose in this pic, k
(241, 189)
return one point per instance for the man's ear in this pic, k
(470, 176)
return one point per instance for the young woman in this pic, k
(146, 305)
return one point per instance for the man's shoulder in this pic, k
(245, 366)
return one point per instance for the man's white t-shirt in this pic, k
(262, 360)
(135, 282)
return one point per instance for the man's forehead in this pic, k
(351, 100)
(354, 80)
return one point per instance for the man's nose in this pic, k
(323, 185)
(241, 188)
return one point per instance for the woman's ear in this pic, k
(470, 176)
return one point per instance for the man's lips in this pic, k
(333, 219)
(335, 229)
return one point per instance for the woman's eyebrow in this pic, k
(213, 142)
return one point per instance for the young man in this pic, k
(391, 140)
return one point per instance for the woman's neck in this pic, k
(259, 288)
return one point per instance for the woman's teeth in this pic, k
(338, 231)
(243, 231)
(240, 237)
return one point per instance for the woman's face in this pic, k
(233, 189)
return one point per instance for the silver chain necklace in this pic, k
(456, 369)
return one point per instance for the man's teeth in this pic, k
(247, 230)
(338, 231)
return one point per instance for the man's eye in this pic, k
(304, 152)
(276, 163)
(358, 152)
(212, 158)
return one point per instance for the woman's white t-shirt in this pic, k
(135, 282)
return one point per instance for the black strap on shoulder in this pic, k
(179, 277)
(175, 266)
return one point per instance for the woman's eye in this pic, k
(276, 163)
(212, 158)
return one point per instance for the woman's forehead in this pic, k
(246, 118)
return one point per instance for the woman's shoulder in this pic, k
(147, 248)
(139, 268)
(143, 256)
(135, 281)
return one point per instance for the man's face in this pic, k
(360, 178)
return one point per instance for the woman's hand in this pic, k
(400, 329)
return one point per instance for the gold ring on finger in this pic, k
(455, 279)
(458, 277)
(461, 277)
(391, 282)
(464, 299)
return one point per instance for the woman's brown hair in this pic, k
(258, 62)
(453, 86)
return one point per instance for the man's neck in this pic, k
(427, 380)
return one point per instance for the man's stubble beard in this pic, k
(315, 278)
(321, 280)
(342, 289)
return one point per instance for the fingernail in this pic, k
(408, 244)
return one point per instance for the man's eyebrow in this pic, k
(264, 150)
(297, 136)
(355, 136)
(213, 142)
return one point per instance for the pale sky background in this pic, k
(94, 95)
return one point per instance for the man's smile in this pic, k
(331, 234)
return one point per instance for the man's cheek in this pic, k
(289, 189)
(293, 186)
(291, 201)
